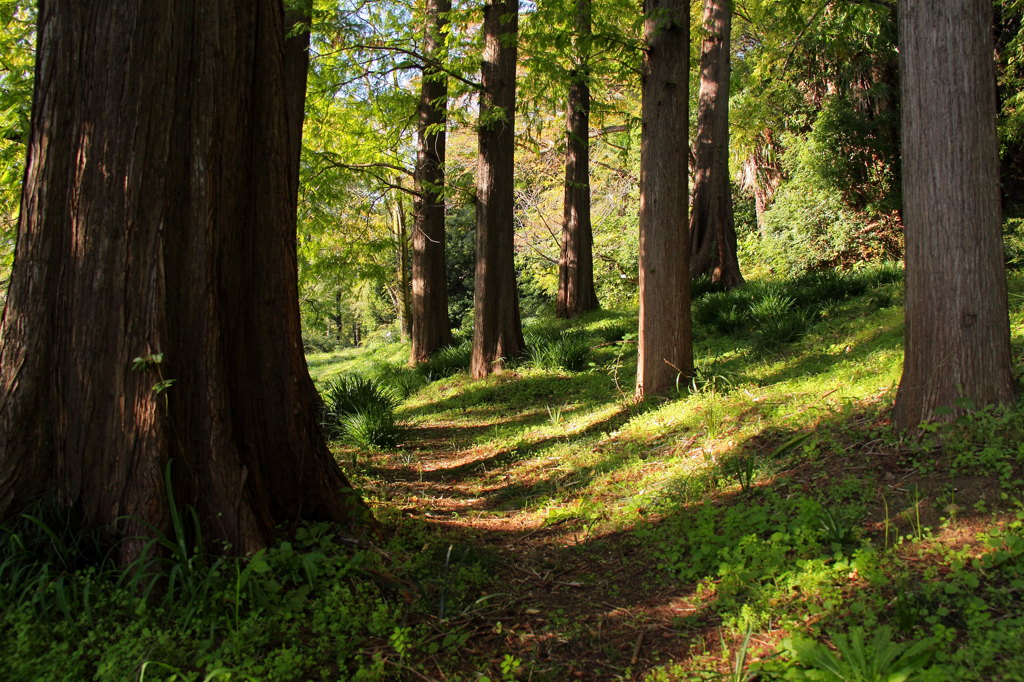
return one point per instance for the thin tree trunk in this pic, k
(497, 329)
(712, 229)
(153, 315)
(957, 345)
(666, 350)
(430, 327)
(403, 295)
(576, 294)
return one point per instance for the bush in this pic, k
(400, 381)
(570, 351)
(374, 426)
(361, 411)
(446, 361)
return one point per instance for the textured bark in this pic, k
(576, 293)
(497, 329)
(158, 223)
(666, 350)
(296, 74)
(957, 343)
(430, 327)
(403, 297)
(712, 229)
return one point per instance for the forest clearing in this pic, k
(512, 340)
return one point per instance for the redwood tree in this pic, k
(712, 229)
(430, 328)
(497, 329)
(576, 293)
(666, 349)
(153, 312)
(957, 344)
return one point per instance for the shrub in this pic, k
(361, 411)
(447, 361)
(373, 426)
(398, 380)
(570, 351)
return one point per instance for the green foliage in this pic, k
(372, 426)
(447, 361)
(361, 411)
(857, 660)
(569, 350)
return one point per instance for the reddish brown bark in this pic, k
(712, 228)
(957, 344)
(430, 326)
(497, 329)
(576, 294)
(158, 223)
(666, 350)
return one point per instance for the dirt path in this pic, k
(575, 603)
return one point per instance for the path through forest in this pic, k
(579, 602)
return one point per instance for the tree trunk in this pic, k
(666, 350)
(576, 293)
(403, 300)
(497, 329)
(712, 230)
(157, 244)
(296, 73)
(957, 345)
(430, 327)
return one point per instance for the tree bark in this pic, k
(497, 329)
(712, 229)
(576, 294)
(404, 294)
(957, 345)
(430, 327)
(666, 350)
(156, 244)
(297, 17)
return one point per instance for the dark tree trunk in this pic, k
(712, 230)
(157, 244)
(957, 342)
(430, 327)
(497, 329)
(576, 293)
(296, 73)
(666, 350)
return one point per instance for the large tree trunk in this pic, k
(712, 230)
(576, 293)
(430, 327)
(157, 245)
(957, 329)
(666, 350)
(497, 329)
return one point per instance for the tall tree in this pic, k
(153, 312)
(497, 328)
(666, 348)
(712, 229)
(957, 328)
(576, 293)
(430, 327)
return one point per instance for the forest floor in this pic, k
(700, 536)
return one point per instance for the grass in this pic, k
(763, 521)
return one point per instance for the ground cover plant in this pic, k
(764, 522)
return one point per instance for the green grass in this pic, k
(764, 520)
